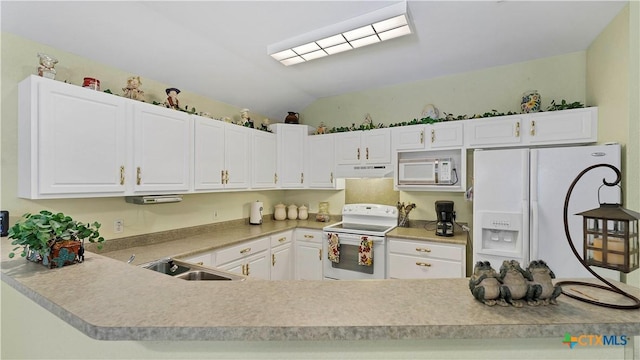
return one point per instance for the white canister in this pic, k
(303, 213)
(280, 212)
(293, 212)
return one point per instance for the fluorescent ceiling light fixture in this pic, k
(380, 25)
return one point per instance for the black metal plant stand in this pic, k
(610, 286)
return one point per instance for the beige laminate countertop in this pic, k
(107, 299)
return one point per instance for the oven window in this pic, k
(349, 255)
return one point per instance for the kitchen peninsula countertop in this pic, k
(107, 299)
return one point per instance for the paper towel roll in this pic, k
(255, 217)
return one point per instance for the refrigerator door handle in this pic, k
(534, 231)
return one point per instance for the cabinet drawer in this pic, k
(309, 235)
(241, 250)
(427, 250)
(281, 238)
(414, 267)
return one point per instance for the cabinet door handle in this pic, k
(248, 270)
(423, 250)
(273, 259)
(358, 153)
(121, 175)
(367, 153)
(282, 239)
(423, 264)
(422, 137)
(331, 177)
(533, 128)
(226, 176)
(138, 175)
(245, 250)
(320, 254)
(308, 236)
(244, 269)
(275, 178)
(301, 178)
(518, 129)
(222, 177)
(433, 135)
(200, 263)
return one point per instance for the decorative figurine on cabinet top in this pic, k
(172, 98)
(132, 90)
(47, 62)
(531, 101)
(245, 120)
(292, 118)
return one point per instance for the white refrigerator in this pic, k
(518, 204)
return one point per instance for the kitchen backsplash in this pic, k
(371, 191)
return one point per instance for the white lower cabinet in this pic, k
(308, 254)
(250, 258)
(282, 256)
(409, 259)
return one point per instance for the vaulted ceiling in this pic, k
(218, 49)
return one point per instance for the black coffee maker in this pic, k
(445, 213)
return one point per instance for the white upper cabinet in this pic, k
(72, 141)
(410, 137)
(221, 155)
(448, 134)
(575, 126)
(562, 127)
(320, 162)
(363, 147)
(161, 149)
(263, 160)
(291, 139)
(493, 132)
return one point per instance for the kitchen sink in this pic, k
(191, 272)
(202, 275)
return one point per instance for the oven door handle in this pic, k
(355, 239)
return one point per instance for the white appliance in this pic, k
(372, 221)
(425, 171)
(255, 215)
(519, 200)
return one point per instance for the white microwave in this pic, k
(425, 171)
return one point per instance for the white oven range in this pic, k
(359, 222)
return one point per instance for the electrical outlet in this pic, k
(118, 226)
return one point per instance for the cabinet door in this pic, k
(162, 149)
(320, 163)
(376, 146)
(82, 140)
(308, 261)
(237, 148)
(409, 137)
(446, 134)
(259, 266)
(291, 144)
(348, 148)
(562, 127)
(209, 152)
(281, 262)
(501, 131)
(263, 160)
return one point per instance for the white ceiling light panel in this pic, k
(383, 24)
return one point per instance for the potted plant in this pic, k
(52, 238)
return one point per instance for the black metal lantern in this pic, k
(610, 241)
(611, 237)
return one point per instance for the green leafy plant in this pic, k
(38, 232)
(564, 105)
